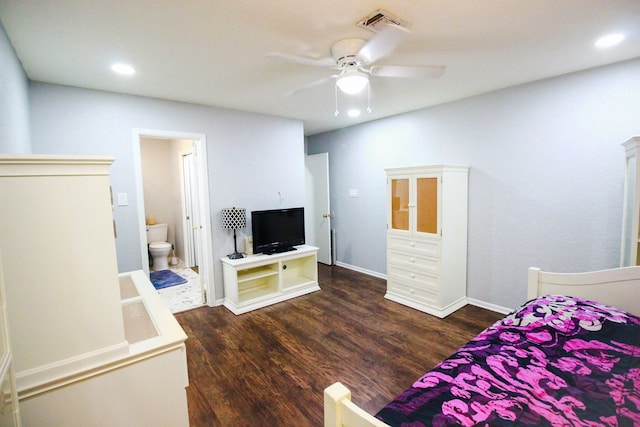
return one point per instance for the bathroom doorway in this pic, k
(173, 189)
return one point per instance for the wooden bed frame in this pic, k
(339, 411)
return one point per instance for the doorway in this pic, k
(318, 213)
(172, 188)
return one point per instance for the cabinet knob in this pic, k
(413, 260)
(412, 244)
(412, 275)
(413, 291)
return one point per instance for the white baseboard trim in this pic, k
(434, 311)
(362, 270)
(216, 303)
(489, 306)
(482, 304)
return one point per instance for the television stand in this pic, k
(261, 280)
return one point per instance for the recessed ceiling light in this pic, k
(609, 40)
(354, 112)
(123, 69)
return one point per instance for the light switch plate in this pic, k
(122, 199)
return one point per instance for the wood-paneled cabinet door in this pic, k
(400, 197)
(427, 207)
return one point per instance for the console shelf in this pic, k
(260, 280)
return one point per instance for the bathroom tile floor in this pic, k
(186, 296)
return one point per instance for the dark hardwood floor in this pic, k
(269, 367)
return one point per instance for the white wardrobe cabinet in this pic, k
(88, 346)
(427, 237)
(631, 209)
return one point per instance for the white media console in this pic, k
(260, 280)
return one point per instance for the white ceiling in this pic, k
(212, 51)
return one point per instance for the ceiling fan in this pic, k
(355, 59)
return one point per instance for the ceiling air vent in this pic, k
(379, 19)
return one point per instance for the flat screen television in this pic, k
(277, 230)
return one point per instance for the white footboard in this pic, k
(339, 411)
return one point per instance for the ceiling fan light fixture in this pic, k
(352, 82)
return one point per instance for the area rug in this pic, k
(166, 278)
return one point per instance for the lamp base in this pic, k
(235, 255)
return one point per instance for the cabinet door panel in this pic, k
(427, 205)
(400, 204)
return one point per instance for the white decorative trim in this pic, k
(75, 377)
(459, 304)
(489, 306)
(244, 308)
(41, 377)
(441, 313)
(52, 165)
(5, 364)
(362, 270)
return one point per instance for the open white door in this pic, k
(318, 213)
(190, 209)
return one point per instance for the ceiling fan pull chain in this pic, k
(369, 98)
(335, 90)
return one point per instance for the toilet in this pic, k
(159, 248)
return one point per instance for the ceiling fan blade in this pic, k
(406, 71)
(382, 44)
(309, 86)
(325, 62)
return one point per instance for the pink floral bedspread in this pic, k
(556, 361)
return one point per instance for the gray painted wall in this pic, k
(14, 101)
(545, 184)
(253, 160)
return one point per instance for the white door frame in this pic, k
(205, 268)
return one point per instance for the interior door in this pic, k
(318, 213)
(192, 228)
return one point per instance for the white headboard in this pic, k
(619, 287)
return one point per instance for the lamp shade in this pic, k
(234, 218)
(352, 82)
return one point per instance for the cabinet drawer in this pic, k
(413, 293)
(414, 278)
(415, 262)
(417, 246)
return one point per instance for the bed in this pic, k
(569, 356)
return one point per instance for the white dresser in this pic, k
(427, 237)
